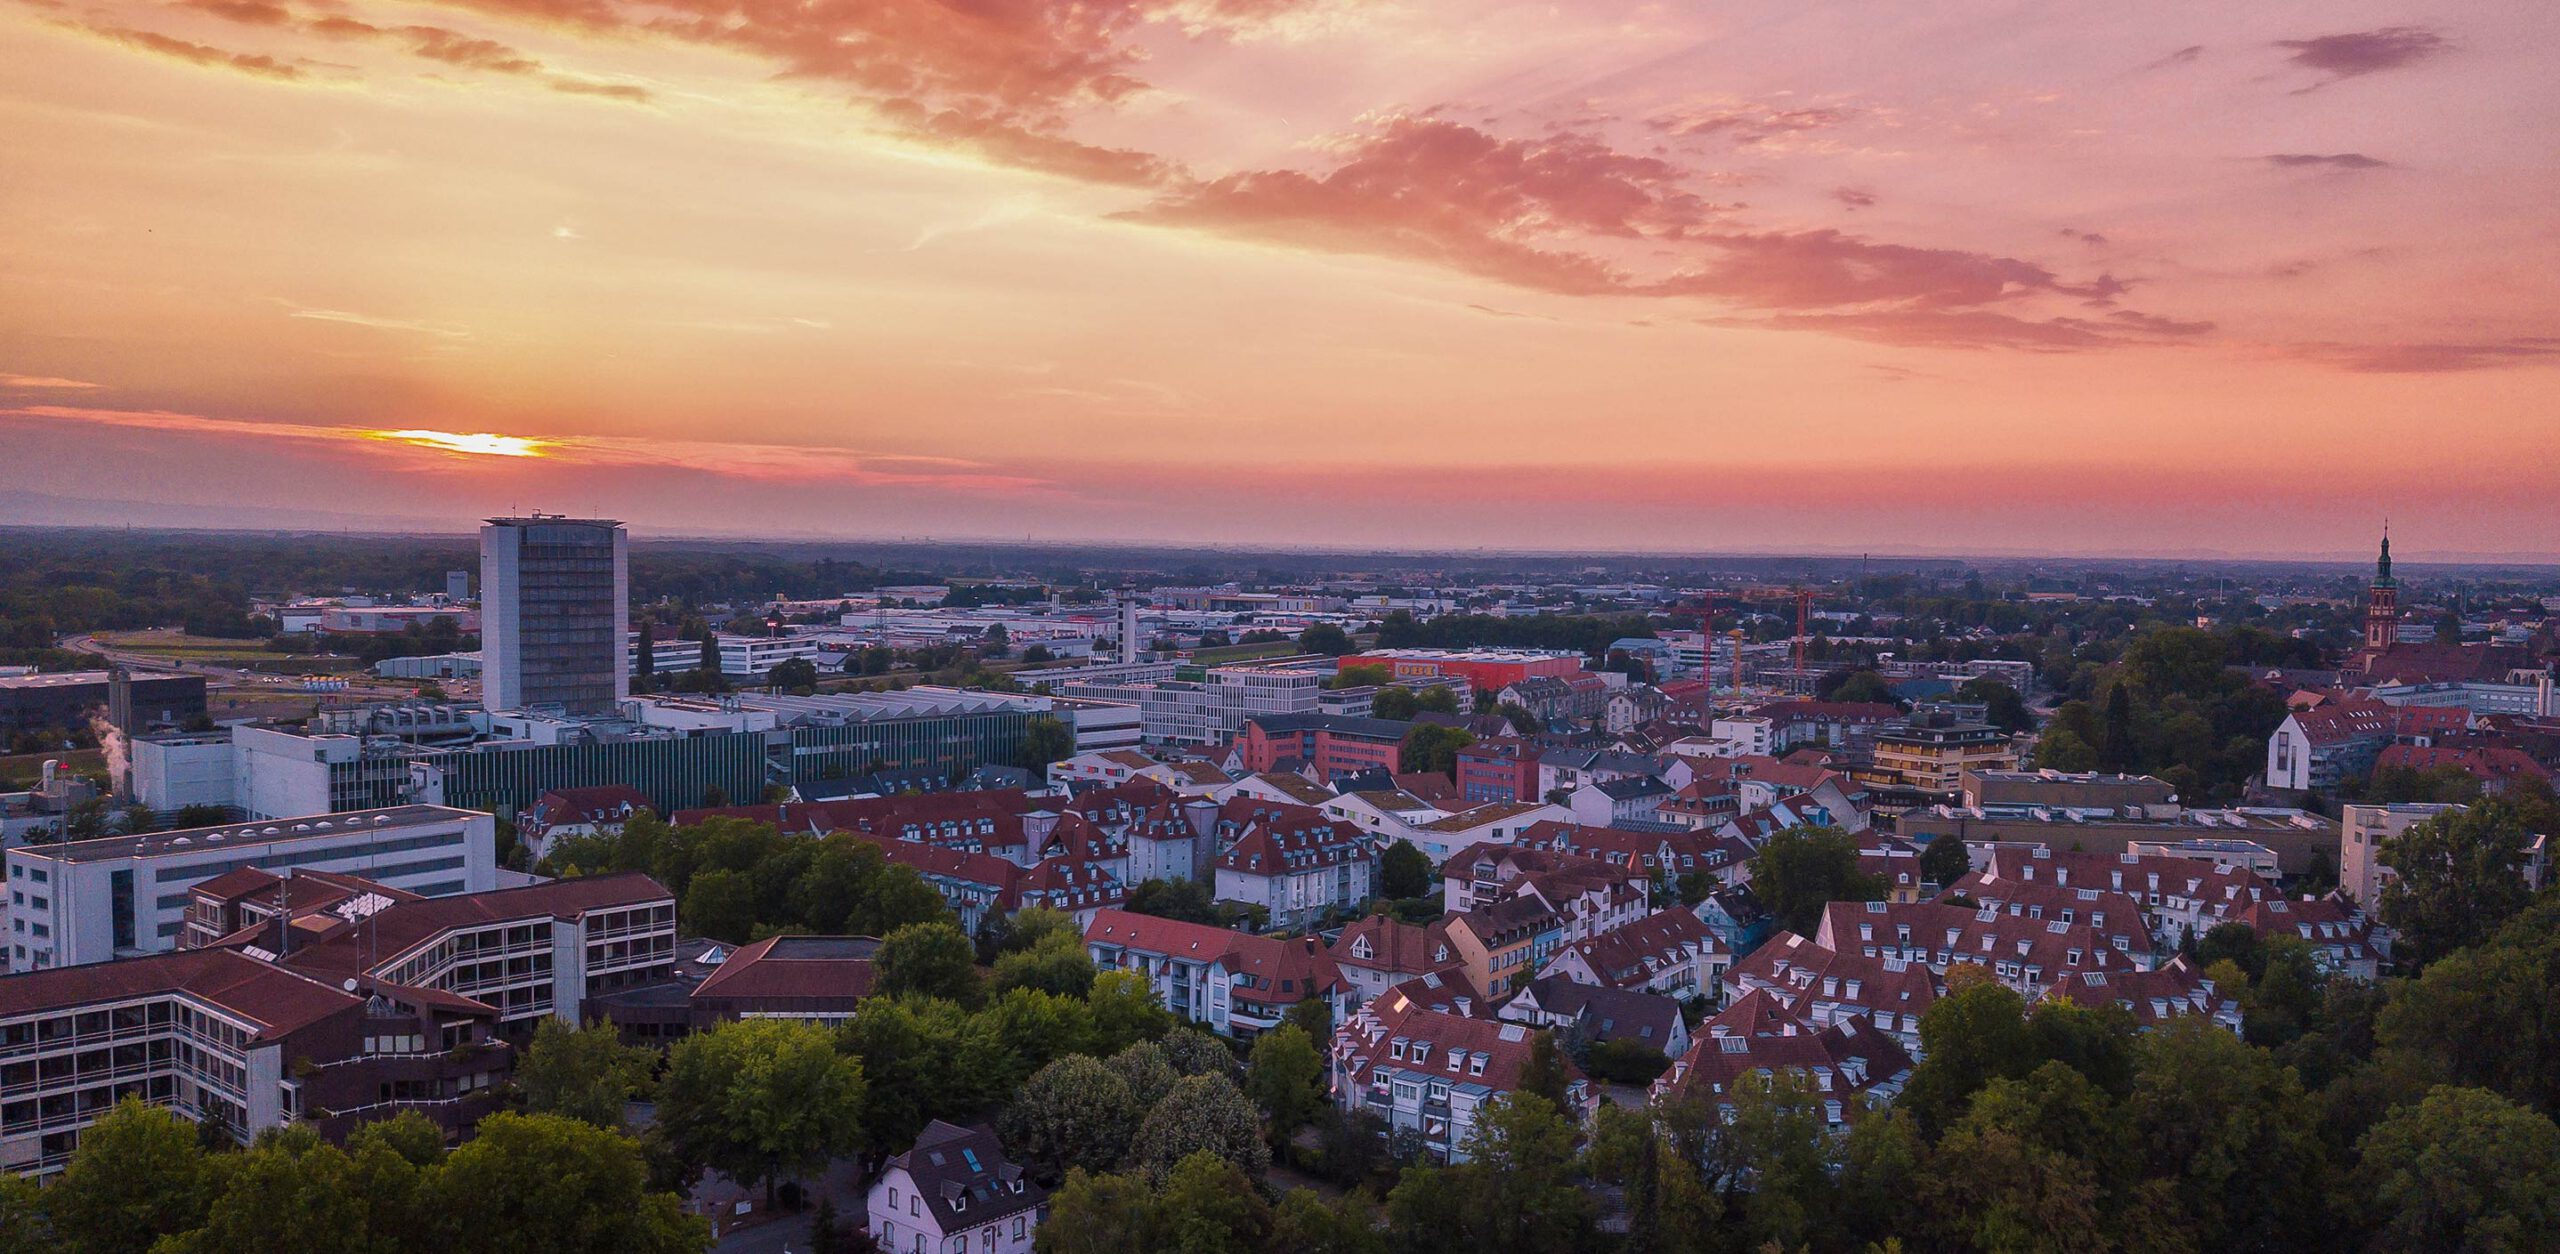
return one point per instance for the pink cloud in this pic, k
(2438, 357)
(1445, 192)
(1749, 123)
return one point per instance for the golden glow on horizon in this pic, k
(1445, 272)
(478, 443)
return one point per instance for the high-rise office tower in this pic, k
(554, 595)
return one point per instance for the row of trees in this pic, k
(737, 880)
(2173, 706)
(142, 1182)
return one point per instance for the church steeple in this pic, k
(2382, 602)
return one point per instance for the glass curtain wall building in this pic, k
(554, 594)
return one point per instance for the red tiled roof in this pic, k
(1280, 844)
(1392, 1017)
(1279, 971)
(355, 948)
(806, 967)
(1627, 956)
(1394, 945)
(279, 1000)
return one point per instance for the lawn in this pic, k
(178, 646)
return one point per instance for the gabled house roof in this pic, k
(963, 1175)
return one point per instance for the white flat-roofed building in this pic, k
(747, 656)
(119, 896)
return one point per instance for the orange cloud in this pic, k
(631, 92)
(255, 64)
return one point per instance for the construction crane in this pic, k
(1804, 624)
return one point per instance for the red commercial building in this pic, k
(1336, 745)
(1488, 670)
(1504, 768)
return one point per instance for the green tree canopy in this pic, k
(582, 1073)
(2458, 877)
(1201, 1113)
(538, 1182)
(2464, 1169)
(932, 959)
(1045, 739)
(1286, 1078)
(1802, 869)
(139, 1175)
(1405, 871)
(1074, 1113)
(1325, 638)
(1057, 963)
(1432, 747)
(762, 1099)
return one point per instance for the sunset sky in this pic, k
(1746, 275)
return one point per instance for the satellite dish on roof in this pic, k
(350, 985)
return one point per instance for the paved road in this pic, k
(787, 1235)
(843, 1181)
(91, 645)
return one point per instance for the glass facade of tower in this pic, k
(552, 596)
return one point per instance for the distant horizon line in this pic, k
(641, 533)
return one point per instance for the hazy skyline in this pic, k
(1666, 277)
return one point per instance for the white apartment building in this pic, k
(2363, 828)
(118, 896)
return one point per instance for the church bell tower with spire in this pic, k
(2382, 602)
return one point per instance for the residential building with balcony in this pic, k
(1232, 983)
(1933, 753)
(1299, 866)
(1433, 1073)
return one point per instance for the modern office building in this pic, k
(1212, 709)
(89, 901)
(554, 594)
